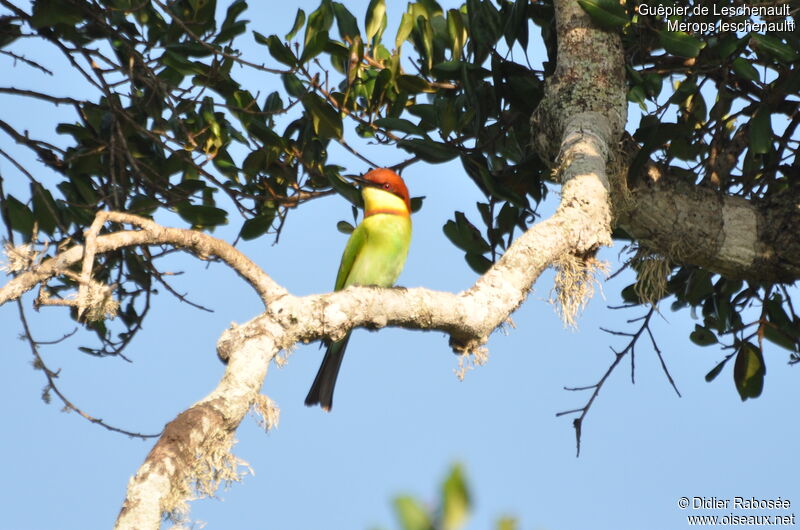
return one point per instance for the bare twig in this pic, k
(618, 356)
(40, 95)
(27, 61)
(159, 276)
(51, 376)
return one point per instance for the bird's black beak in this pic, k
(361, 180)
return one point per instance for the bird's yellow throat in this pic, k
(380, 201)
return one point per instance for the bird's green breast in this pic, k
(383, 253)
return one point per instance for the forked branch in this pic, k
(630, 349)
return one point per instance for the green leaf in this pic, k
(413, 84)
(428, 150)
(45, 209)
(348, 25)
(273, 103)
(425, 32)
(630, 295)
(653, 84)
(636, 94)
(711, 375)
(314, 46)
(254, 162)
(426, 112)
(457, 32)
(326, 120)
(142, 205)
(20, 217)
(382, 83)
(684, 90)
(696, 108)
(608, 14)
(507, 218)
(9, 32)
(775, 312)
(464, 235)
(477, 262)
(416, 203)
(455, 496)
(680, 43)
(342, 186)
(232, 31)
(516, 28)
(85, 188)
(345, 227)
(299, 20)
(482, 36)
(431, 7)
(448, 69)
(319, 20)
(225, 164)
(294, 87)
(448, 114)
(253, 228)
(744, 69)
(730, 45)
(780, 337)
(190, 187)
(55, 12)
(749, 371)
(780, 329)
(699, 286)
(760, 131)
(202, 216)
(775, 47)
(279, 51)
(399, 124)
(376, 18)
(234, 10)
(181, 64)
(404, 30)
(189, 49)
(702, 336)
(411, 514)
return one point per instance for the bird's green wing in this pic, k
(354, 245)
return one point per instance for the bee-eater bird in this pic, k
(374, 255)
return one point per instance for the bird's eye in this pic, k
(386, 186)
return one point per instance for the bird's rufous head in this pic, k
(387, 180)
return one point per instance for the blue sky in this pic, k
(401, 417)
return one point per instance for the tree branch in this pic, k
(587, 125)
(468, 317)
(738, 238)
(583, 112)
(203, 245)
(578, 228)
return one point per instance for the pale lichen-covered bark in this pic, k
(196, 443)
(739, 238)
(589, 77)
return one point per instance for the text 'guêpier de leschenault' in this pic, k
(738, 26)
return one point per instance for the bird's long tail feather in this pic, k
(321, 392)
